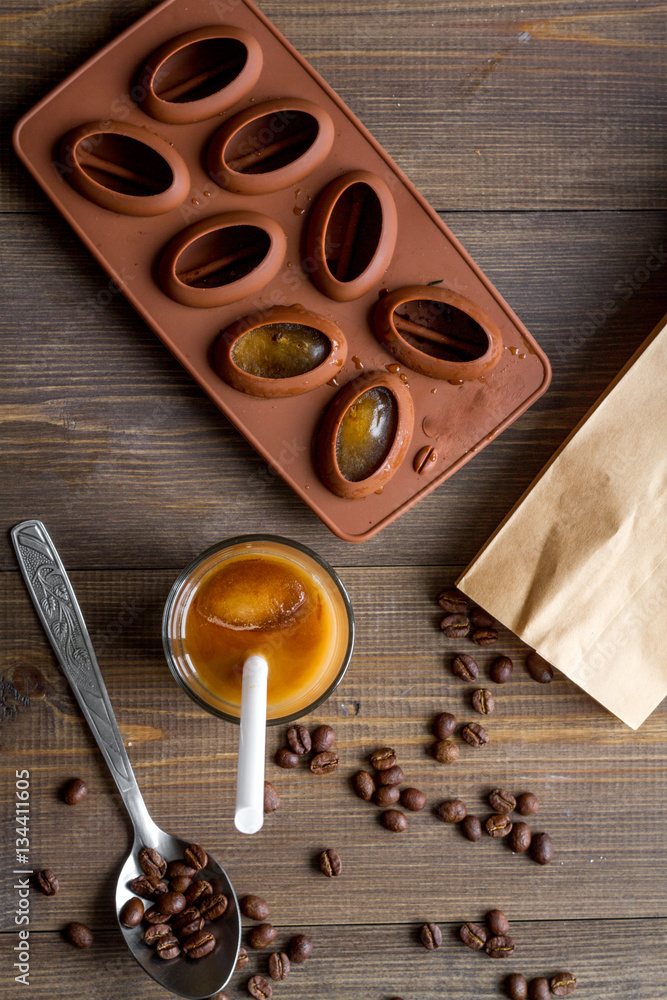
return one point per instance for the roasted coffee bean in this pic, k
(148, 886)
(242, 959)
(330, 863)
(254, 907)
(445, 751)
(178, 884)
(386, 795)
(195, 856)
(154, 932)
(452, 811)
(484, 636)
(153, 916)
(481, 619)
(49, 884)
(527, 804)
(464, 667)
(501, 669)
(444, 725)
(455, 626)
(431, 936)
(168, 947)
(475, 735)
(562, 984)
(539, 669)
(171, 902)
(412, 799)
(483, 701)
(497, 922)
(542, 848)
(199, 944)
(212, 907)
(260, 988)
(323, 738)
(299, 949)
(188, 922)
(325, 762)
(262, 935)
(271, 798)
(279, 965)
(394, 820)
(179, 869)
(196, 892)
(363, 785)
(499, 825)
(392, 776)
(500, 946)
(132, 912)
(473, 935)
(453, 601)
(79, 935)
(516, 987)
(502, 801)
(471, 828)
(538, 989)
(286, 758)
(298, 739)
(75, 790)
(151, 862)
(383, 759)
(520, 838)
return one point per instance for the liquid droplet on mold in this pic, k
(358, 363)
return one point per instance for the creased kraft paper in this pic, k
(578, 570)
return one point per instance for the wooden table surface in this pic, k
(537, 130)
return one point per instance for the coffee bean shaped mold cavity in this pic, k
(284, 351)
(124, 168)
(222, 259)
(270, 146)
(200, 74)
(352, 235)
(437, 332)
(365, 435)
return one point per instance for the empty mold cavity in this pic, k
(441, 330)
(366, 434)
(123, 164)
(222, 256)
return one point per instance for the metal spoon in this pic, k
(60, 614)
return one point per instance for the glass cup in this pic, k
(193, 663)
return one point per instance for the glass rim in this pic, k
(219, 547)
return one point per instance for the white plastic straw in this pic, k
(249, 816)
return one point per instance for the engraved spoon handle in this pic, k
(59, 612)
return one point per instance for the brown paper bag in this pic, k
(578, 569)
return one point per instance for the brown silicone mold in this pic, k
(200, 74)
(352, 235)
(219, 181)
(281, 352)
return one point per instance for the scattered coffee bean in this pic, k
(298, 739)
(455, 626)
(168, 947)
(242, 959)
(542, 848)
(497, 922)
(502, 801)
(363, 785)
(199, 944)
(516, 986)
(148, 886)
(484, 636)
(392, 776)
(412, 799)
(481, 619)
(188, 922)
(562, 984)
(254, 907)
(271, 798)
(500, 946)
(151, 862)
(383, 759)
(279, 965)
(452, 811)
(483, 701)
(474, 734)
(464, 667)
(499, 825)
(538, 989)
(286, 758)
(214, 906)
(330, 863)
(262, 935)
(394, 820)
(431, 936)
(299, 949)
(471, 828)
(445, 751)
(132, 912)
(473, 935)
(527, 804)
(195, 856)
(154, 932)
(48, 883)
(444, 725)
(325, 762)
(539, 669)
(79, 935)
(196, 892)
(323, 738)
(179, 869)
(520, 838)
(153, 916)
(501, 669)
(453, 601)
(75, 790)
(386, 795)
(260, 988)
